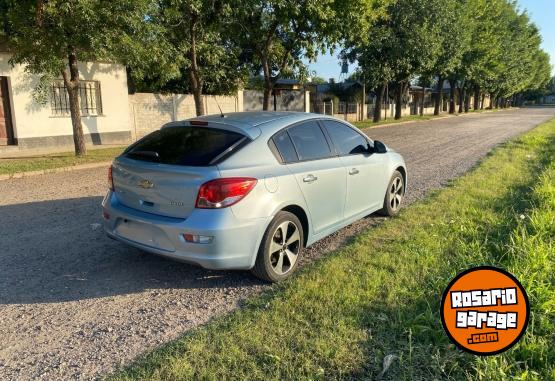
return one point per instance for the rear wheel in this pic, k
(280, 248)
(394, 195)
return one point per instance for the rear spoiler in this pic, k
(249, 131)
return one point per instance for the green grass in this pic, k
(57, 160)
(379, 295)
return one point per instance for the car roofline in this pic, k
(252, 129)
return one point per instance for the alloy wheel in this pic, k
(284, 248)
(396, 193)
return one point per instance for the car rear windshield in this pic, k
(188, 146)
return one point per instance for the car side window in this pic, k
(285, 147)
(346, 140)
(309, 141)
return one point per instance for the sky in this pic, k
(542, 13)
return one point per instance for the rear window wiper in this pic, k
(152, 155)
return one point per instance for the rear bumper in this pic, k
(234, 244)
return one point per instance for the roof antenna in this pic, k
(217, 104)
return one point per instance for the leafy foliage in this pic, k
(50, 37)
(216, 52)
(276, 35)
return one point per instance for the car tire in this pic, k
(394, 195)
(277, 258)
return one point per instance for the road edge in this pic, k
(20, 175)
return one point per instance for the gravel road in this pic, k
(76, 305)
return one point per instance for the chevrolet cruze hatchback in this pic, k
(248, 190)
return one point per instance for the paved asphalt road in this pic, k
(75, 305)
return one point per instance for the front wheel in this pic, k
(394, 195)
(280, 248)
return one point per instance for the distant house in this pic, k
(549, 99)
(25, 123)
(288, 95)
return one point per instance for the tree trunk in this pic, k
(482, 101)
(267, 96)
(378, 106)
(452, 84)
(72, 85)
(197, 96)
(194, 73)
(467, 101)
(399, 90)
(422, 100)
(268, 82)
(462, 95)
(476, 98)
(438, 99)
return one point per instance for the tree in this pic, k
(277, 34)
(454, 30)
(399, 46)
(51, 37)
(317, 80)
(202, 57)
(525, 66)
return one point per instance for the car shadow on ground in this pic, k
(56, 251)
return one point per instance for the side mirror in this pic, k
(379, 147)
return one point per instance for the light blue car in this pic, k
(248, 190)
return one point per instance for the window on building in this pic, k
(90, 98)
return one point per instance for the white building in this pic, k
(25, 123)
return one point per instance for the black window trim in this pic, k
(333, 148)
(272, 145)
(368, 140)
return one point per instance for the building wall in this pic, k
(34, 124)
(148, 112)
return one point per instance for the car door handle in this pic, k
(353, 171)
(310, 179)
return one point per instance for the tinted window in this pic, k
(191, 146)
(346, 140)
(285, 147)
(309, 141)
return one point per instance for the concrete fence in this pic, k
(148, 112)
(285, 100)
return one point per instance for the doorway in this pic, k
(6, 125)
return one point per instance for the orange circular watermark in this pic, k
(485, 310)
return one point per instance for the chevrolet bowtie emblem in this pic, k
(146, 184)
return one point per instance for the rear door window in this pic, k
(346, 140)
(285, 147)
(187, 146)
(309, 141)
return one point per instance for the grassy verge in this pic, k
(56, 160)
(414, 118)
(377, 299)
(409, 118)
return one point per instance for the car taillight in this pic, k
(221, 193)
(110, 178)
